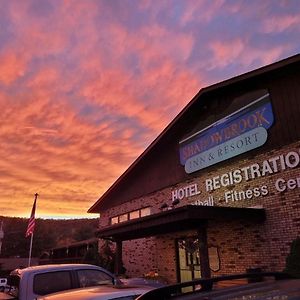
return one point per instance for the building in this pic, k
(218, 191)
(70, 253)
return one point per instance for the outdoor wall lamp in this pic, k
(165, 206)
(175, 202)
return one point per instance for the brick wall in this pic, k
(241, 244)
(139, 256)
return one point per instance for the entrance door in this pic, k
(188, 259)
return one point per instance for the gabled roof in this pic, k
(180, 118)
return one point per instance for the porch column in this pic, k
(118, 259)
(203, 249)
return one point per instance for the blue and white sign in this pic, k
(242, 131)
(238, 145)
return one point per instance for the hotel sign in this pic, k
(241, 131)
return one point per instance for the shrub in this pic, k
(293, 259)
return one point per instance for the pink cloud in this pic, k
(85, 87)
(45, 121)
(226, 53)
(202, 11)
(231, 51)
(13, 66)
(45, 78)
(177, 47)
(280, 23)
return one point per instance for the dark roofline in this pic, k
(95, 208)
(188, 217)
(76, 244)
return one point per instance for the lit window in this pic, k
(114, 220)
(145, 211)
(123, 218)
(134, 214)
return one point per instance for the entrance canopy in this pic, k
(178, 219)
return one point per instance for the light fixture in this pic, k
(165, 205)
(175, 202)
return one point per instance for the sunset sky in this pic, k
(86, 86)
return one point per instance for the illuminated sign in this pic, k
(241, 131)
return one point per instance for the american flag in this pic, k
(31, 222)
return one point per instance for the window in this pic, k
(13, 281)
(93, 277)
(145, 211)
(51, 282)
(123, 218)
(134, 214)
(114, 220)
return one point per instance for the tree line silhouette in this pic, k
(48, 234)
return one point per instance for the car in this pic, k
(262, 286)
(143, 281)
(108, 292)
(32, 282)
(3, 283)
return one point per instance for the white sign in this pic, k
(270, 166)
(208, 202)
(187, 191)
(267, 167)
(283, 185)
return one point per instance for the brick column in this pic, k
(203, 249)
(118, 259)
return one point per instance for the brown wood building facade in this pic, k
(218, 191)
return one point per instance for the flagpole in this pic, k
(32, 229)
(30, 250)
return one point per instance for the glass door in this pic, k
(188, 259)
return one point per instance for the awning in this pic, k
(178, 219)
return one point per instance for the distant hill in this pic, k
(48, 234)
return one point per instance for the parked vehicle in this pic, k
(262, 286)
(108, 292)
(3, 283)
(32, 282)
(143, 281)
